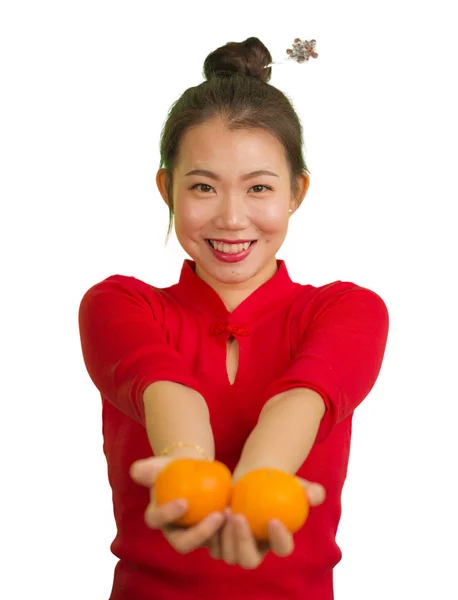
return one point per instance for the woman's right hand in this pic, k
(184, 540)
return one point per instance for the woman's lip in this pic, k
(231, 257)
(230, 241)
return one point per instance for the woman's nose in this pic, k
(233, 212)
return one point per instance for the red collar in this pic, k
(193, 291)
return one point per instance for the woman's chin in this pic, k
(236, 273)
(227, 273)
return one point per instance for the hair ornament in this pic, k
(301, 51)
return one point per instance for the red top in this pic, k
(331, 339)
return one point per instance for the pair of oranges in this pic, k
(259, 496)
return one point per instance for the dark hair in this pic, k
(235, 89)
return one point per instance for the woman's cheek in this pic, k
(191, 217)
(272, 219)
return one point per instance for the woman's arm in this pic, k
(285, 433)
(175, 414)
(333, 370)
(125, 350)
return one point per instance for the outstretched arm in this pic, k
(285, 433)
(333, 370)
(176, 413)
(127, 356)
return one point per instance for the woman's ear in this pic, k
(302, 186)
(163, 183)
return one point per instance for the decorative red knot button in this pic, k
(218, 328)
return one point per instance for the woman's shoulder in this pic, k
(125, 283)
(125, 290)
(316, 298)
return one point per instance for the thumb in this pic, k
(316, 493)
(145, 470)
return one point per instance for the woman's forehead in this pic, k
(209, 147)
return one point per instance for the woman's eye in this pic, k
(201, 185)
(262, 186)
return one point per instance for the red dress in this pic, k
(331, 339)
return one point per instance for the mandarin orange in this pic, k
(265, 494)
(205, 485)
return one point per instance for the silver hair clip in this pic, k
(300, 52)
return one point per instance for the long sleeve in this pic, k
(124, 346)
(340, 354)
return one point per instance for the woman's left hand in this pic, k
(236, 545)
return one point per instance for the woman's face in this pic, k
(232, 200)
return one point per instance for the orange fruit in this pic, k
(206, 486)
(266, 494)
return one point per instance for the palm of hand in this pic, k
(235, 544)
(227, 536)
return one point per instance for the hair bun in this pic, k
(247, 58)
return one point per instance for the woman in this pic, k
(234, 362)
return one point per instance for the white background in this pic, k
(85, 89)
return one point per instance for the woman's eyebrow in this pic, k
(214, 176)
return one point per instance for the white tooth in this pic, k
(229, 248)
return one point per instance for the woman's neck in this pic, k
(233, 294)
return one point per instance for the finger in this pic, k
(187, 540)
(145, 471)
(281, 540)
(214, 546)
(157, 517)
(248, 554)
(228, 548)
(316, 493)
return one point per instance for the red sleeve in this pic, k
(340, 354)
(124, 346)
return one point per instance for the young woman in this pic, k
(234, 362)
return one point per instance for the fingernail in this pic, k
(275, 524)
(182, 504)
(240, 521)
(214, 518)
(134, 470)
